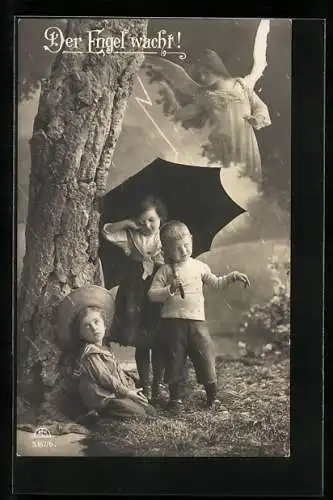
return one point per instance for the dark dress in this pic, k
(136, 318)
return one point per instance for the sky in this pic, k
(147, 133)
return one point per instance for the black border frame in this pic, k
(302, 473)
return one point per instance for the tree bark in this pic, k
(79, 120)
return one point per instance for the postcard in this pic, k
(153, 237)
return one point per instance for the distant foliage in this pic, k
(33, 63)
(272, 319)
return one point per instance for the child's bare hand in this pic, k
(131, 224)
(243, 278)
(176, 284)
(138, 396)
(141, 397)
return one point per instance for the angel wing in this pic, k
(173, 74)
(167, 99)
(259, 53)
(179, 94)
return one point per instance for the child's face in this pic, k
(92, 327)
(180, 250)
(149, 222)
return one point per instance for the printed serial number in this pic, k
(43, 444)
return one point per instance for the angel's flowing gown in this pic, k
(232, 140)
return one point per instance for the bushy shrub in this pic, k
(271, 320)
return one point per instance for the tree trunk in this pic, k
(79, 120)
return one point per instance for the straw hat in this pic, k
(79, 299)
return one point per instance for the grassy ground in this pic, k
(253, 420)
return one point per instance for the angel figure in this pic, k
(228, 104)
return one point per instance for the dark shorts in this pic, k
(182, 338)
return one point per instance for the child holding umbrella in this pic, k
(177, 285)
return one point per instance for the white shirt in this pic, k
(143, 248)
(194, 274)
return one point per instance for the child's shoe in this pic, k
(88, 419)
(212, 402)
(146, 390)
(159, 395)
(215, 404)
(176, 406)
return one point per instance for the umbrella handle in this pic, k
(181, 288)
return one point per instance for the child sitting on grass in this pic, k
(104, 387)
(183, 331)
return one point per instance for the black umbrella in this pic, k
(191, 194)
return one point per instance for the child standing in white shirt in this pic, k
(183, 331)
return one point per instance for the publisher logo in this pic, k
(42, 438)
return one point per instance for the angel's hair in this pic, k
(149, 202)
(212, 61)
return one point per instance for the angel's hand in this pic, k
(251, 120)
